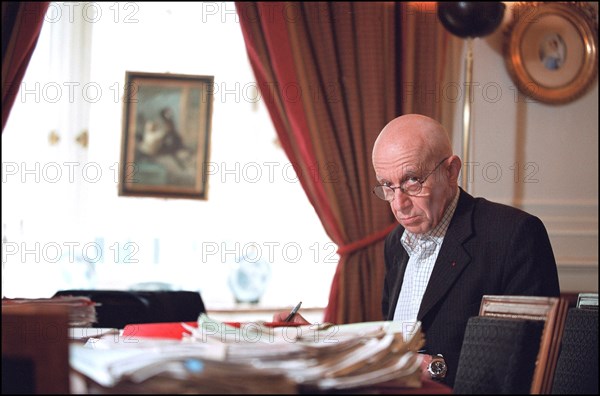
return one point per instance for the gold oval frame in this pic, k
(577, 21)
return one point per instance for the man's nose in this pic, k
(401, 200)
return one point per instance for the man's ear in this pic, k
(454, 169)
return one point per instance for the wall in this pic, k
(539, 157)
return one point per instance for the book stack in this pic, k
(82, 311)
(216, 357)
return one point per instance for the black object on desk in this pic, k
(118, 308)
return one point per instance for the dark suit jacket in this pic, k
(489, 248)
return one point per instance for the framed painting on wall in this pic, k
(166, 135)
(550, 50)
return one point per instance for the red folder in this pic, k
(175, 330)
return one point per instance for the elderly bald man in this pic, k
(449, 249)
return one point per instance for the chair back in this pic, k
(533, 329)
(498, 356)
(577, 365)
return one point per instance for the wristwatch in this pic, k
(437, 367)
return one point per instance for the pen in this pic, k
(294, 312)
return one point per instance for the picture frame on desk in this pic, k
(550, 50)
(166, 135)
(587, 300)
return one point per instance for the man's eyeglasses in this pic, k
(411, 186)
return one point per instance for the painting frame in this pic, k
(166, 132)
(550, 50)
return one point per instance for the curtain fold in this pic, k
(332, 75)
(21, 26)
(327, 73)
(430, 75)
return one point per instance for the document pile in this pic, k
(82, 310)
(217, 357)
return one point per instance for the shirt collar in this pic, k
(410, 241)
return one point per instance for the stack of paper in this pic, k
(323, 356)
(82, 310)
(252, 358)
(166, 366)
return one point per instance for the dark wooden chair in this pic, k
(577, 366)
(35, 349)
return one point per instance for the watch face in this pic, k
(437, 368)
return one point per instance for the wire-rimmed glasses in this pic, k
(411, 186)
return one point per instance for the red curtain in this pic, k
(21, 26)
(327, 73)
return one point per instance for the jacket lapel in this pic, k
(453, 258)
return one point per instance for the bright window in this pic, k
(64, 225)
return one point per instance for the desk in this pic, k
(429, 387)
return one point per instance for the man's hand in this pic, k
(425, 363)
(280, 317)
